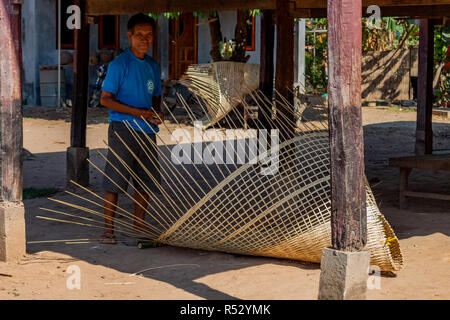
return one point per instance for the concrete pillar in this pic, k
(299, 57)
(299, 67)
(77, 166)
(12, 231)
(343, 275)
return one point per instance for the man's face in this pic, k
(142, 37)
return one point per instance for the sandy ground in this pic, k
(109, 272)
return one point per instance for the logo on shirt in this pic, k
(150, 86)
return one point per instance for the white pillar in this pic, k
(300, 54)
(163, 46)
(299, 63)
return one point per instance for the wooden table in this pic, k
(426, 162)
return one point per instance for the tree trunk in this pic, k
(215, 32)
(240, 36)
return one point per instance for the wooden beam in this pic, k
(266, 67)
(424, 133)
(348, 194)
(426, 162)
(427, 195)
(11, 136)
(436, 11)
(101, 7)
(298, 8)
(284, 74)
(80, 82)
(310, 4)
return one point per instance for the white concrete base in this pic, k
(12, 231)
(343, 275)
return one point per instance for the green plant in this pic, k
(31, 193)
(316, 56)
(392, 33)
(441, 62)
(226, 49)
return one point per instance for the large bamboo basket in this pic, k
(286, 215)
(222, 85)
(280, 208)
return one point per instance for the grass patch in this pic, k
(32, 193)
(402, 109)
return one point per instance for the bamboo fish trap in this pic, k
(247, 206)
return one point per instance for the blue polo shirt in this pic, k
(133, 81)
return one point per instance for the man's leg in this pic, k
(116, 176)
(110, 205)
(140, 204)
(151, 165)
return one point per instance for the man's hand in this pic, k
(108, 100)
(146, 114)
(157, 119)
(153, 117)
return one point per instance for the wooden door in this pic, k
(182, 44)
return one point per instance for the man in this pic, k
(132, 91)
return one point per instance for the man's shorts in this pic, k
(147, 169)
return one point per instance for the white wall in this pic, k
(29, 52)
(39, 45)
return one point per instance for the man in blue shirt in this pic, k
(132, 92)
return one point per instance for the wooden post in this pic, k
(424, 132)
(404, 174)
(284, 74)
(348, 195)
(266, 62)
(11, 101)
(77, 153)
(80, 82)
(344, 267)
(12, 223)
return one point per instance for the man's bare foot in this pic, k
(108, 238)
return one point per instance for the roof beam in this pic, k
(318, 4)
(426, 11)
(298, 8)
(101, 7)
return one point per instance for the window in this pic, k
(67, 35)
(108, 32)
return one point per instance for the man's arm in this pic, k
(108, 100)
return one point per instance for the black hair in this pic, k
(140, 18)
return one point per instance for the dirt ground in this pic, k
(115, 272)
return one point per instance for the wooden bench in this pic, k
(426, 162)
